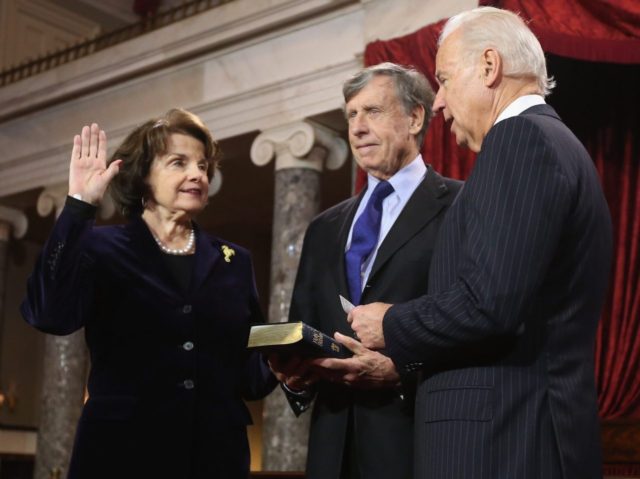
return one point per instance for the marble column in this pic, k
(301, 150)
(15, 221)
(64, 374)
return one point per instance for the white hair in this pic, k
(507, 33)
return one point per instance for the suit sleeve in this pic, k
(259, 380)
(514, 206)
(59, 290)
(303, 299)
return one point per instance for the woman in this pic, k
(166, 309)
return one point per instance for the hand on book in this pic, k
(294, 371)
(366, 369)
(366, 322)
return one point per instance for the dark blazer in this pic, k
(382, 419)
(506, 334)
(169, 369)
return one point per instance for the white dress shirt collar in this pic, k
(404, 182)
(519, 105)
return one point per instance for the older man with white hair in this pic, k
(504, 337)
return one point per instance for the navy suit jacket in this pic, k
(506, 334)
(169, 369)
(382, 419)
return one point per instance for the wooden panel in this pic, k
(621, 441)
(277, 475)
(16, 466)
(621, 448)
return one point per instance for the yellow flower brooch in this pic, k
(228, 253)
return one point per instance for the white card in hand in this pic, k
(347, 306)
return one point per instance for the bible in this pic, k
(295, 338)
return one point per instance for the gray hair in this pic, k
(412, 89)
(489, 27)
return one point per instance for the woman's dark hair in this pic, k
(129, 188)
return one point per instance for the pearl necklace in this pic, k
(177, 251)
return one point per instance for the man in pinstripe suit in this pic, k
(504, 338)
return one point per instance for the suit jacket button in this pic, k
(187, 346)
(188, 384)
(187, 308)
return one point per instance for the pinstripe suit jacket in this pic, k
(506, 334)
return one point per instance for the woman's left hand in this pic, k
(294, 371)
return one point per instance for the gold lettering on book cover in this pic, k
(317, 338)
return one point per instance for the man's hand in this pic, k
(366, 369)
(294, 371)
(366, 321)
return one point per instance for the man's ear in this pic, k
(416, 120)
(491, 67)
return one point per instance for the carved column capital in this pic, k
(296, 145)
(52, 198)
(12, 220)
(215, 184)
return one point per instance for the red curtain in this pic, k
(600, 103)
(609, 130)
(595, 30)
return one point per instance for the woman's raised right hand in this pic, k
(89, 175)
